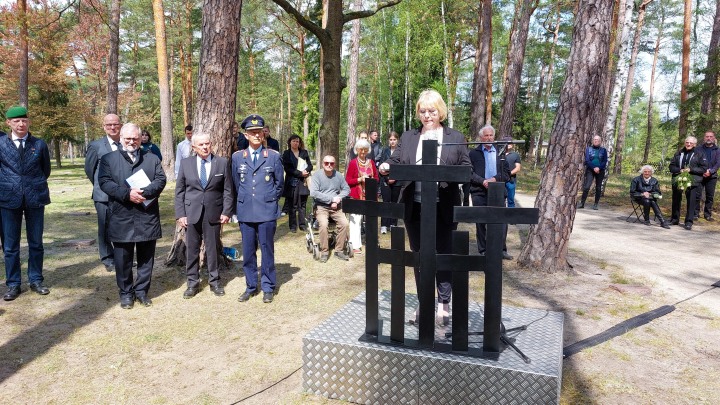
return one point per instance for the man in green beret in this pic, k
(24, 192)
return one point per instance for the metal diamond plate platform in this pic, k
(337, 364)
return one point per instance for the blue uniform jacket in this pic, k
(24, 178)
(259, 186)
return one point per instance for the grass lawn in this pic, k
(77, 346)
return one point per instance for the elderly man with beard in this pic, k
(134, 212)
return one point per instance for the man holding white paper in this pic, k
(133, 180)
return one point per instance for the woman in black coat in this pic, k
(645, 190)
(297, 165)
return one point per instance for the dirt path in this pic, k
(679, 262)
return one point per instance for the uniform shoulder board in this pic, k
(244, 153)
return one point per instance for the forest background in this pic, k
(403, 50)
(641, 73)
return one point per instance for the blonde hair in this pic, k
(432, 99)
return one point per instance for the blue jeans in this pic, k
(12, 224)
(510, 187)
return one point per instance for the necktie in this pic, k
(203, 174)
(21, 146)
(254, 157)
(117, 145)
(132, 156)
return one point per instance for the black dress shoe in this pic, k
(675, 222)
(12, 293)
(293, 230)
(190, 292)
(646, 222)
(39, 288)
(507, 256)
(246, 295)
(268, 297)
(144, 300)
(303, 228)
(218, 291)
(126, 302)
(665, 225)
(110, 268)
(688, 226)
(709, 219)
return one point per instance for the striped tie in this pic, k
(203, 174)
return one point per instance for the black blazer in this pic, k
(452, 155)
(477, 157)
(290, 166)
(96, 150)
(216, 198)
(697, 164)
(130, 222)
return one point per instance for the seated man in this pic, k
(645, 190)
(328, 188)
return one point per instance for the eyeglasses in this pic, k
(329, 163)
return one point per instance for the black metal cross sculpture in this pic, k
(459, 261)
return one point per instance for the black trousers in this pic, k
(390, 193)
(690, 198)
(298, 208)
(196, 233)
(105, 247)
(123, 267)
(480, 200)
(443, 244)
(708, 185)
(648, 203)
(590, 175)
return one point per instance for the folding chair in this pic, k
(637, 210)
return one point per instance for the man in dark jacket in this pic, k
(24, 170)
(686, 160)
(709, 180)
(96, 150)
(596, 159)
(133, 181)
(203, 201)
(488, 167)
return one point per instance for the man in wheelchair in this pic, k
(328, 188)
(645, 191)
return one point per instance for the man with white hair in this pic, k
(203, 201)
(686, 160)
(133, 180)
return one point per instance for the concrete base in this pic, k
(338, 364)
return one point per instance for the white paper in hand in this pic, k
(140, 180)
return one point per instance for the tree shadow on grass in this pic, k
(64, 282)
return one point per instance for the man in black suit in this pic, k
(134, 213)
(96, 150)
(203, 201)
(488, 167)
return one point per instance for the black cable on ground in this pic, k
(268, 387)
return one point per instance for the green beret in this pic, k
(16, 112)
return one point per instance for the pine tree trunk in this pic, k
(24, 53)
(516, 55)
(352, 83)
(113, 58)
(651, 91)
(482, 73)
(578, 117)
(682, 124)
(712, 76)
(166, 129)
(217, 89)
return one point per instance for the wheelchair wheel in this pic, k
(349, 250)
(316, 252)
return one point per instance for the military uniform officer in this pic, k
(258, 178)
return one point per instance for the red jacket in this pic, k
(352, 174)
